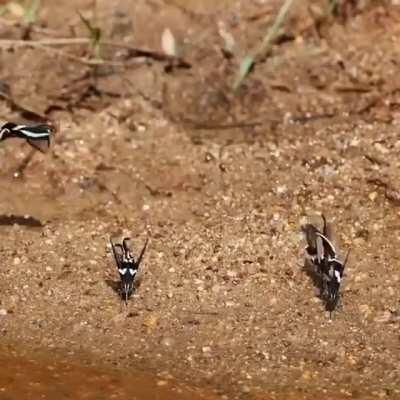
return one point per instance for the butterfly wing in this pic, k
(40, 144)
(329, 249)
(333, 284)
(38, 136)
(320, 248)
(6, 130)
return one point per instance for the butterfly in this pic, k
(38, 136)
(127, 266)
(328, 267)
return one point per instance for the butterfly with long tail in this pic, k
(127, 266)
(38, 136)
(323, 256)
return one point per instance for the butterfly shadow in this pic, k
(30, 222)
(310, 270)
(115, 284)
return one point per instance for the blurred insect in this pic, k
(127, 266)
(328, 267)
(38, 136)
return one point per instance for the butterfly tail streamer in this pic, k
(346, 259)
(142, 253)
(38, 136)
(116, 257)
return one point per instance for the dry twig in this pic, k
(134, 52)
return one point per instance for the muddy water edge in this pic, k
(54, 377)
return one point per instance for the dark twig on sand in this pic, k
(133, 52)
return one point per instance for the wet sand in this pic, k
(45, 377)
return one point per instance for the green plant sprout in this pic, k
(95, 34)
(265, 46)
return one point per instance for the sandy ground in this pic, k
(220, 184)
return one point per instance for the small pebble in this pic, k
(206, 349)
(365, 309)
(215, 288)
(273, 301)
(372, 196)
(168, 342)
(384, 317)
(245, 389)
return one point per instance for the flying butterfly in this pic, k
(328, 267)
(127, 266)
(38, 136)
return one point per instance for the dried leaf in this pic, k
(151, 321)
(168, 43)
(16, 9)
(229, 40)
(393, 195)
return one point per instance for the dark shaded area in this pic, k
(312, 274)
(30, 222)
(115, 285)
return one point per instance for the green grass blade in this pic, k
(95, 36)
(244, 69)
(265, 46)
(31, 11)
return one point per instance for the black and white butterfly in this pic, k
(323, 256)
(127, 266)
(37, 136)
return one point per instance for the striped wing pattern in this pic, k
(38, 136)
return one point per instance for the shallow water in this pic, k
(53, 378)
(31, 378)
